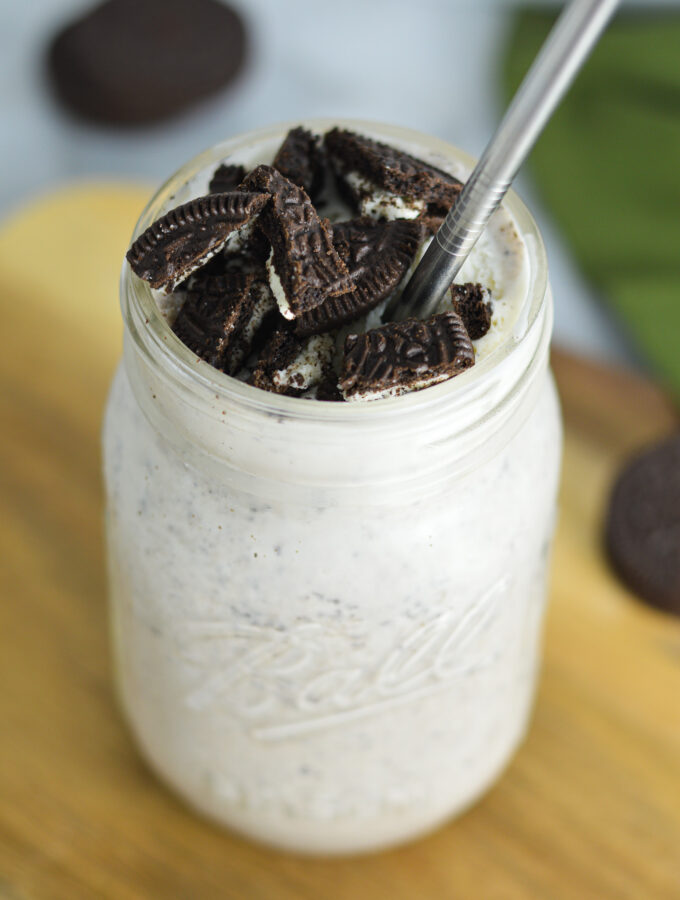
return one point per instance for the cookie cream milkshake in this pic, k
(327, 616)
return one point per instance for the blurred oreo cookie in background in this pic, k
(642, 528)
(139, 62)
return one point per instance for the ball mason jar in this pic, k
(327, 616)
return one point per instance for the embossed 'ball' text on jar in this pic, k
(327, 616)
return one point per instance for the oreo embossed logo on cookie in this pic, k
(378, 256)
(270, 289)
(304, 266)
(190, 235)
(405, 356)
(221, 318)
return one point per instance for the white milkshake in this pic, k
(327, 616)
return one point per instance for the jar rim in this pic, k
(154, 337)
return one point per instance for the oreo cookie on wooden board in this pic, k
(378, 178)
(301, 159)
(188, 236)
(642, 531)
(221, 317)
(472, 302)
(137, 62)
(377, 255)
(292, 365)
(405, 356)
(304, 267)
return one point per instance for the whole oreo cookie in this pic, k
(642, 532)
(136, 62)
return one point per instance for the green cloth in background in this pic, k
(608, 168)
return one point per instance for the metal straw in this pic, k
(565, 50)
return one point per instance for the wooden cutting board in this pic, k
(590, 806)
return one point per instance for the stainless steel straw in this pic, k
(565, 50)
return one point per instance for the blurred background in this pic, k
(591, 806)
(440, 66)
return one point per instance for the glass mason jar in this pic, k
(327, 616)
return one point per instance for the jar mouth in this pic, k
(154, 337)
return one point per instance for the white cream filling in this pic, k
(277, 289)
(378, 203)
(169, 305)
(263, 304)
(174, 283)
(397, 389)
(235, 241)
(309, 366)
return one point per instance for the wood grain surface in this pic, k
(589, 807)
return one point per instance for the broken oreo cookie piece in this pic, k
(301, 159)
(221, 317)
(405, 356)
(270, 292)
(189, 235)
(472, 302)
(328, 389)
(384, 182)
(377, 255)
(304, 266)
(292, 365)
(226, 178)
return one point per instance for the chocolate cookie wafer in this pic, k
(221, 317)
(472, 302)
(292, 365)
(226, 177)
(377, 255)
(404, 356)
(246, 251)
(135, 62)
(642, 532)
(189, 235)
(328, 388)
(304, 267)
(301, 159)
(384, 182)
